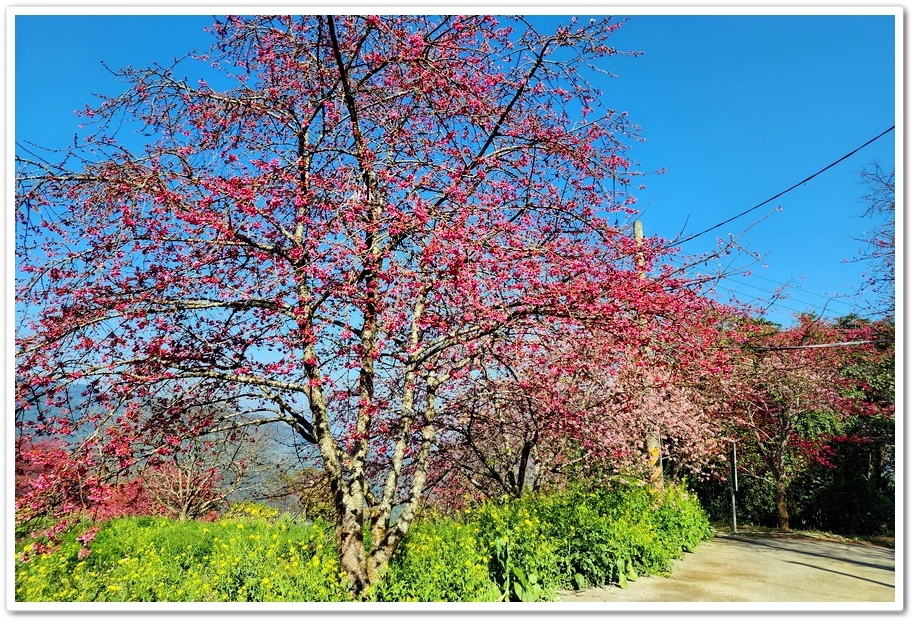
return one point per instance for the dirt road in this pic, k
(744, 568)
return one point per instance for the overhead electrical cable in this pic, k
(789, 286)
(830, 299)
(830, 345)
(777, 195)
(764, 302)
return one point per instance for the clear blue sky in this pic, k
(735, 108)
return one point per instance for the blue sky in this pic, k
(741, 108)
(735, 108)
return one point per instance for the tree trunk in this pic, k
(351, 548)
(782, 509)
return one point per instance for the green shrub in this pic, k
(681, 521)
(143, 559)
(594, 547)
(523, 560)
(440, 560)
(755, 500)
(586, 551)
(614, 535)
(504, 550)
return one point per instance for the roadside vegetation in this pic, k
(521, 549)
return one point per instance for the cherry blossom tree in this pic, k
(62, 483)
(576, 404)
(202, 474)
(47, 476)
(780, 383)
(141, 466)
(323, 228)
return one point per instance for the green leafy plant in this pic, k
(504, 550)
(613, 535)
(145, 559)
(441, 560)
(681, 522)
(523, 559)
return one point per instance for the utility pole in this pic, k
(653, 437)
(733, 481)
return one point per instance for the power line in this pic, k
(830, 345)
(830, 299)
(789, 286)
(761, 302)
(772, 301)
(762, 203)
(765, 303)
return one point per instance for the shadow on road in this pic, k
(771, 569)
(778, 543)
(841, 573)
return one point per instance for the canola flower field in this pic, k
(509, 550)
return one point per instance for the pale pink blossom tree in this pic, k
(574, 404)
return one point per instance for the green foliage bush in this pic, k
(755, 501)
(523, 559)
(607, 536)
(505, 550)
(155, 559)
(842, 499)
(441, 560)
(843, 508)
(853, 495)
(681, 521)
